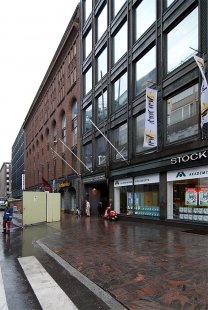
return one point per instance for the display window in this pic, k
(190, 200)
(147, 200)
(187, 194)
(138, 196)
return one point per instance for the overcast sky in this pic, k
(30, 32)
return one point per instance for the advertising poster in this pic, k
(203, 196)
(190, 197)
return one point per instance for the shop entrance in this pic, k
(96, 193)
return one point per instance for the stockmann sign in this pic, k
(192, 173)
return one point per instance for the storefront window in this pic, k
(190, 200)
(147, 200)
(101, 151)
(101, 23)
(142, 199)
(180, 39)
(182, 115)
(120, 43)
(120, 142)
(145, 70)
(188, 192)
(102, 107)
(145, 16)
(102, 64)
(120, 92)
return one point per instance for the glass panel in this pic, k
(102, 64)
(146, 199)
(102, 23)
(168, 2)
(120, 43)
(182, 115)
(74, 136)
(145, 70)
(145, 16)
(88, 117)
(181, 38)
(102, 107)
(88, 8)
(74, 159)
(88, 80)
(120, 92)
(101, 151)
(88, 155)
(88, 43)
(140, 123)
(118, 5)
(190, 200)
(120, 140)
(74, 110)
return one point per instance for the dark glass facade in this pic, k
(157, 53)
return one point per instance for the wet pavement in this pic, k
(143, 265)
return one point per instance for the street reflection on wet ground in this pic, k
(144, 266)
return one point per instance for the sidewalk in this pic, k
(144, 266)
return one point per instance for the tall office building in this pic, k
(144, 135)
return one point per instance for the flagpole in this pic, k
(65, 161)
(75, 155)
(109, 141)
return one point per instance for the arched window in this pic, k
(74, 124)
(63, 131)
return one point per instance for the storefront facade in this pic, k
(179, 192)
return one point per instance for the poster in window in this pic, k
(203, 196)
(190, 197)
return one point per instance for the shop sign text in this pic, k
(185, 158)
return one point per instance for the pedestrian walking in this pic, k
(7, 218)
(87, 207)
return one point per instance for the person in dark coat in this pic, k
(7, 218)
(100, 208)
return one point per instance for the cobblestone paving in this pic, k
(144, 266)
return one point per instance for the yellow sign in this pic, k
(64, 184)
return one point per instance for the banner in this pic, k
(150, 129)
(204, 91)
(47, 186)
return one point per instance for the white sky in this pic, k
(30, 32)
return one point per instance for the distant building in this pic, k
(52, 125)
(5, 180)
(18, 164)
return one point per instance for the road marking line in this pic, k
(3, 301)
(98, 291)
(49, 294)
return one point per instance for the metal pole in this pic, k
(109, 142)
(75, 155)
(65, 161)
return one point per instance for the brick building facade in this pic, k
(52, 123)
